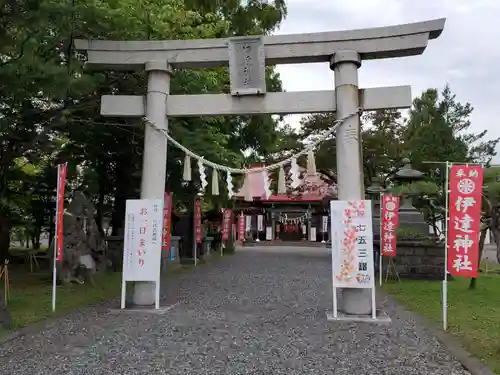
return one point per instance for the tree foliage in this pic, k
(50, 104)
(437, 128)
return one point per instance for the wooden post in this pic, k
(4, 273)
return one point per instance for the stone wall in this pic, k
(418, 260)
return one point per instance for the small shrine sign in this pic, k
(142, 244)
(352, 248)
(143, 239)
(352, 245)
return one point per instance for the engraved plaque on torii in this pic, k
(247, 68)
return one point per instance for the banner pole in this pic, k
(56, 229)
(446, 223)
(222, 236)
(381, 244)
(195, 243)
(333, 242)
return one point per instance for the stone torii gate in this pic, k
(247, 58)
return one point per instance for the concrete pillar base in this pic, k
(144, 293)
(356, 301)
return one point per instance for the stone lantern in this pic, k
(409, 216)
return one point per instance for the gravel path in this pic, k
(258, 312)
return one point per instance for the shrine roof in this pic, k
(313, 188)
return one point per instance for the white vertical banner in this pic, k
(142, 243)
(269, 233)
(260, 223)
(325, 224)
(312, 234)
(324, 228)
(248, 223)
(352, 247)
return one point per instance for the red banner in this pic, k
(241, 228)
(464, 226)
(61, 182)
(389, 220)
(167, 221)
(226, 224)
(197, 220)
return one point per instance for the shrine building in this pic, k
(298, 215)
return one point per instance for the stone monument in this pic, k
(247, 58)
(83, 246)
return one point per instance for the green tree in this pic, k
(250, 17)
(380, 132)
(437, 129)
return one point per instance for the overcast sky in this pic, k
(465, 55)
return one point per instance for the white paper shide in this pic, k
(248, 223)
(142, 241)
(352, 244)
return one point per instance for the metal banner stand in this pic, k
(392, 270)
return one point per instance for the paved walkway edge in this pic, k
(468, 361)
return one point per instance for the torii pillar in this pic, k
(349, 156)
(247, 58)
(155, 153)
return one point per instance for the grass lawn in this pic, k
(31, 293)
(473, 315)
